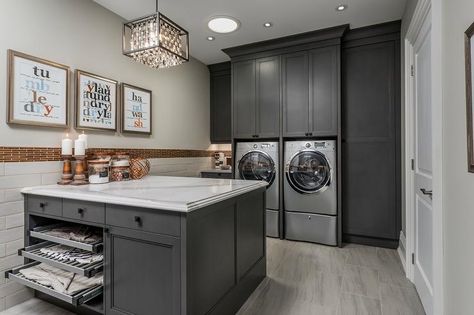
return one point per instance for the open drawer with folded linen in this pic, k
(64, 285)
(64, 260)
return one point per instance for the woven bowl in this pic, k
(139, 168)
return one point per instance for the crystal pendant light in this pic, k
(156, 41)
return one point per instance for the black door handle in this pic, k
(426, 192)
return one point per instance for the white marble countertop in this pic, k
(182, 194)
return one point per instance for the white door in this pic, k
(423, 170)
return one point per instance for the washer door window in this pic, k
(256, 165)
(309, 172)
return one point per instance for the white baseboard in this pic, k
(402, 250)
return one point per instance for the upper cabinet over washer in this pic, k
(287, 87)
(256, 98)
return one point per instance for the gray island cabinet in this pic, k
(171, 245)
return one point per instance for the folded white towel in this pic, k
(60, 280)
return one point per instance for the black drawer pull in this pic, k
(81, 211)
(43, 205)
(138, 220)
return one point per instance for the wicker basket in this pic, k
(139, 168)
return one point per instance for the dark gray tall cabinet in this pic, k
(311, 92)
(371, 135)
(220, 95)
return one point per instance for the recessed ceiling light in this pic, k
(210, 38)
(223, 24)
(341, 7)
(268, 24)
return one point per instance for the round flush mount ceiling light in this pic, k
(223, 24)
(210, 38)
(267, 24)
(341, 7)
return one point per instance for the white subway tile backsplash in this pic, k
(32, 168)
(13, 246)
(2, 168)
(10, 288)
(12, 195)
(2, 250)
(11, 235)
(9, 262)
(20, 181)
(50, 178)
(2, 223)
(9, 208)
(18, 297)
(15, 220)
(2, 196)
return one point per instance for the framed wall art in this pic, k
(96, 102)
(136, 110)
(38, 91)
(469, 44)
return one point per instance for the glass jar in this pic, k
(99, 171)
(120, 170)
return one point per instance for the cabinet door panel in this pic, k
(142, 273)
(295, 79)
(250, 228)
(324, 90)
(371, 126)
(243, 77)
(268, 96)
(221, 108)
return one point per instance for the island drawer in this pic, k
(76, 299)
(45, 205)
(84, 211)
(149, 220)
(86, 269)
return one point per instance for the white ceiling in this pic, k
(288, 17)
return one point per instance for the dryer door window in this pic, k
(257, 165)
(309, 172)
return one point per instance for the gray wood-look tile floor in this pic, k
(307, 279)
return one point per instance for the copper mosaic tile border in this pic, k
(40, 154)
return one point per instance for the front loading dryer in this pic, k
(259, 161)
(310, 191)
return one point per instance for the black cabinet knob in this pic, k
(81, 211)
(138, 220)
(43, 205)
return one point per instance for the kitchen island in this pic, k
(171, 245)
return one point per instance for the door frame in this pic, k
(425, 9)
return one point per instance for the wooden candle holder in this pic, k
(66, 177)
(79, 176)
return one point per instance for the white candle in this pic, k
(66, 146)
(83, 137)
(79, 147)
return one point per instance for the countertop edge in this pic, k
(142, 203)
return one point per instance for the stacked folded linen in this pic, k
(79, 233)
(60, 280)
(66, 253)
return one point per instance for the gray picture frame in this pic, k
(11, 76)
(469, 43)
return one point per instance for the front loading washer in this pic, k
(310, 191)
(259, 161)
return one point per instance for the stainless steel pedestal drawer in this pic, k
(311, 227)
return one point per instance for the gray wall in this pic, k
(84, 35)
(458, 183)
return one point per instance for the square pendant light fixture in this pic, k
(155, 41)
